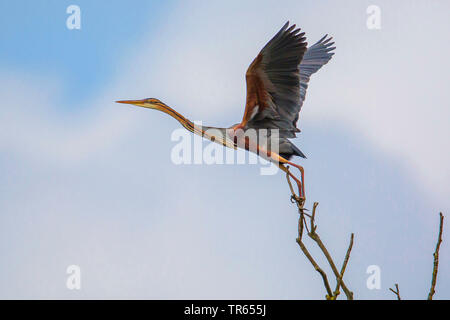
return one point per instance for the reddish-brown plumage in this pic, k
(273, 83)
(257, 95)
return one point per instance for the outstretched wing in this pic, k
(315, 57)
(273, 83)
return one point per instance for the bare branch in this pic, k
(313, 235)
(396, 291)
(317, 268)
(436, 257)
(301, 225)
(344, 265)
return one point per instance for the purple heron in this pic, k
(277, 80)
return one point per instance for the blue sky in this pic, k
(89, 182)
(82, 60)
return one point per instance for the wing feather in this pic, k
(315, 58)
(278, 78)
(273, 82)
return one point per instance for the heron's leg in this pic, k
(302, 173)
(299, 184)
(280, 159)
(281, 162)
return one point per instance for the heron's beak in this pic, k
(139, 103)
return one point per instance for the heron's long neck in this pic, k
(218, 135)
(188, 124)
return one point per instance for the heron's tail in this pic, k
(297, 151)
(288, 150)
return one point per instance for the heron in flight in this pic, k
(277, 80)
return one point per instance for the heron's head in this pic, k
(150, 103)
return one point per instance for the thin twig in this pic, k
(436, 258)
(301, 224)
(313, 216)
(344, 265)
(396, 291)
(316, 238)
(317, 268)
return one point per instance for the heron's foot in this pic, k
(299, 200)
